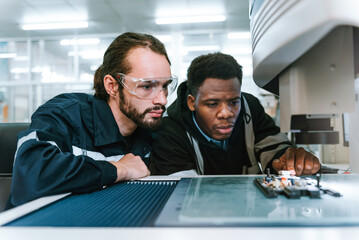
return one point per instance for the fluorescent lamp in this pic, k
(47, 26)
(92, 54)
(191, 19)
(201, 48)
(81, 41)
(88, 54)
(239, 35)
(7, 55)
(245, 62)
(164, 38)
(36, 69)
(238, 51)
(21, 58)
(18, 70)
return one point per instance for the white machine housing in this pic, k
(304, 51)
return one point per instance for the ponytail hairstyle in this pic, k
(115, 57)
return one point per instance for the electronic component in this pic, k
(291, 186)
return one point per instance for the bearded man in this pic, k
(80, 143)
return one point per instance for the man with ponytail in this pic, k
(80, 143)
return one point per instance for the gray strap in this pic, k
(199, 158)
(249, 135)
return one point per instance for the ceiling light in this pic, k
(21, 58)
(88, 54)
(18, 70)
(7, 55)
(164, 38)
(190, 19)
(36, 69)
(239, 35)
(201, 48)
(237, 51)
(81, 41)
(47, 26)
(96, 54)
(244, 62)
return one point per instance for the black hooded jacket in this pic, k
(253, 144)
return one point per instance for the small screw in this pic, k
(318, 179)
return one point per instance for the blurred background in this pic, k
(48, 47)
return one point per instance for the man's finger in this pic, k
(308, 164)
(301, 157)
(278, 165)
(289, 159)
(316, 165)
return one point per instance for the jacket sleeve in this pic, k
(269, 142)
(172, 152)
(45, 165)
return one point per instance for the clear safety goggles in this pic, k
(148, 88)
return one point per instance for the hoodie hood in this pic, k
(179, 111)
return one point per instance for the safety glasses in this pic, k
(147, 88)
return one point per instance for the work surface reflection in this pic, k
(236, 200)
(223, 201)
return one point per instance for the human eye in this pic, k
(234, 102)
(146, 86)
(165, 86)
(212, 104)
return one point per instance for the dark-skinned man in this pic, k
(214, 128)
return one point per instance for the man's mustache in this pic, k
(155, 108)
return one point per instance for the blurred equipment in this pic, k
(308, 55)
(8, 142)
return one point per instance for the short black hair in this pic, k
(214, 65)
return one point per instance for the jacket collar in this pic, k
(105, 126)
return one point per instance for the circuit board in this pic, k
(292, 186)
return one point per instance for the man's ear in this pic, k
(191, 102)
(110, 85)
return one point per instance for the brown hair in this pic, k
(115, 57)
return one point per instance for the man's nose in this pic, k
(161, 98)
(225, 111)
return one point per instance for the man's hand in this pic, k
(299, 160)
(130, 167)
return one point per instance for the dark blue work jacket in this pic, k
(67, 147)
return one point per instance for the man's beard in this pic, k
(131, 112)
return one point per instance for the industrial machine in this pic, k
(307, 53)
